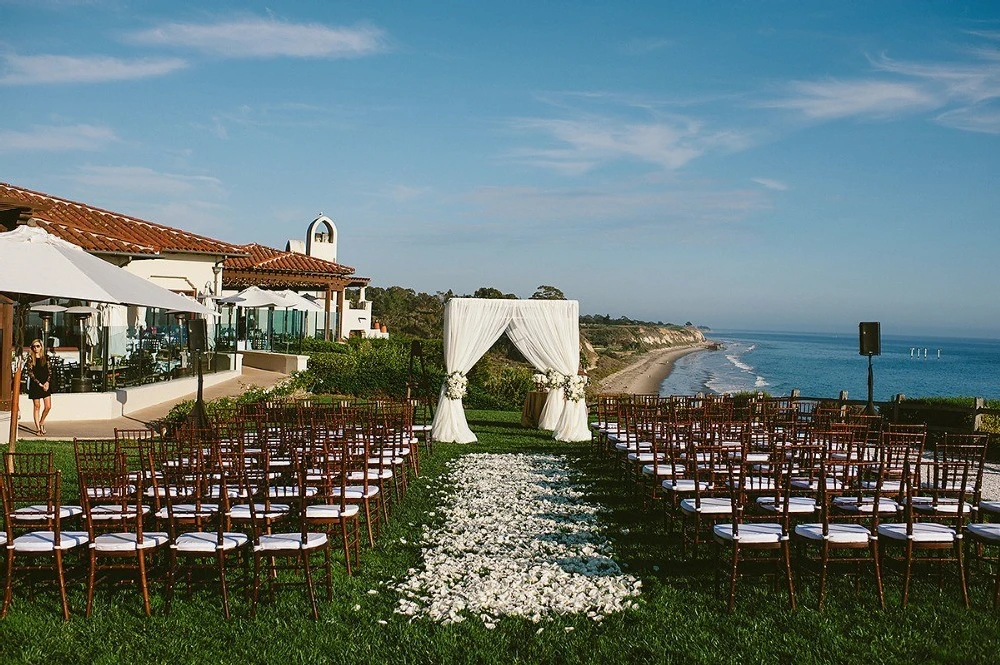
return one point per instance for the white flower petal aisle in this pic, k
(514, 537)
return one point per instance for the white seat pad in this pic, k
(988, 531)
(944, 507)
(357, 492)
(887, 485)
(662, 469)
(322, 511)
(837, 533)
(278, 492)
(188, 511)
(207, 542)
(813, 484)
(115, 512)
(684, 485)
(36, 513)
(242, 511)
(923, 532)
(849, 504)
(751, 532)
(128, 542)
(796, 504)
(990, 506)
(290, 542)
(709, 505)
(44, 541)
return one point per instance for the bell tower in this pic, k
(321, 239)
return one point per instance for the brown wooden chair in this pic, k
(34, 515)
(114, 512)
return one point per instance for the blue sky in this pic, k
(770, 165)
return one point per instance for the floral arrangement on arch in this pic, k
(575, 387)
(456, 385)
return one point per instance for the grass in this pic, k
(678, 618)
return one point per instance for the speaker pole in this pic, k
(870, 409)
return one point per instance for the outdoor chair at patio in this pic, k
(200, 542)
(327, 471)
(757, 542)
(839, 539)
(114, 513)
(33, 513)
(925, 538)
(296, 547)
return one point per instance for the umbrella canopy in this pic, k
(36, 263)
(301, 303)
(254, 297)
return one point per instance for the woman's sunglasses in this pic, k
(36, 346)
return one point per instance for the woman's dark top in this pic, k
(38, 375)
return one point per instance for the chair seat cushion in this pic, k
(796, 504)
(684, 485)
(290, 542)
(923, 532)
(288, 491)
(751, 532)
(45, 541)
(208, 542)
(850, 504)
(188, 511)
(373, 474)
(887, 485)
(836, 533)
(813, 484)
(990, 506)
(261, 512)
(709, 505)
(115, 512)
(322, 511)
(989, 531)
(662, 469)
(129, 542)
(36, 513)
(356, 492)
(926, 506)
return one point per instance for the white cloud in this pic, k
(969, 82)
(265, 37)
(972, 119)
(576, 146)
(770, 184)
(45, 69)
(833, 99)
(139, 180)
(56, 138)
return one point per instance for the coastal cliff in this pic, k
(609, 348)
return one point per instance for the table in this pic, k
(534, 402)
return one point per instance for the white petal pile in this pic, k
(513, 537)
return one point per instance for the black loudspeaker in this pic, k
(197, 331)
(869, 338)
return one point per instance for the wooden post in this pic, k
(340, 314)
(326, 325)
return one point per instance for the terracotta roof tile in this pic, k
(273, 261)
(101, 231)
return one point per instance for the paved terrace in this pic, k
(105, 429)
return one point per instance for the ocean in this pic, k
(821, 365)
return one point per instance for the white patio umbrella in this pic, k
(302, 304)
(36, 263)
(254, 297)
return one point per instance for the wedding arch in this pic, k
(546, 332)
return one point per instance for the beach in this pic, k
(647, 373)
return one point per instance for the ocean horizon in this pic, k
(824, 364)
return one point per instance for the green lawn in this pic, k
(678, 618)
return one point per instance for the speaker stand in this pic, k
(870, 409)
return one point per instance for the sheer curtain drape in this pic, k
(547, 332)
(471, 327)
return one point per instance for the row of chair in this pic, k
(270, 487)
(834, 487)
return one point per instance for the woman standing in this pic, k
(39, 383)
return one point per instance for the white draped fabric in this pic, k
(547, 332)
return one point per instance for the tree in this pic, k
(492, 293)
(546, 292)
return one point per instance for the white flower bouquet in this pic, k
(456, 385)
(554, 379)
(575, 387)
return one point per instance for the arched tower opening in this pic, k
(321, 239)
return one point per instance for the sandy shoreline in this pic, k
(648, 372)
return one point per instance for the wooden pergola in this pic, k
(270, 268)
